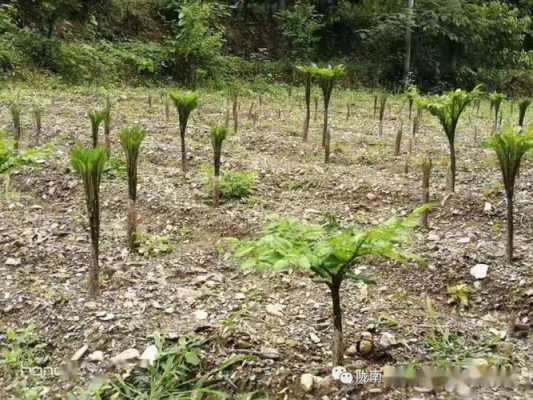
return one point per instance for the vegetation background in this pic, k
(454, 43)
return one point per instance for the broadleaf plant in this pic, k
(218, 135)
(448, 108)
(185, 103)
(89, 163)
(327, 252)
(130, 140)
(510, 147)
(326, 78)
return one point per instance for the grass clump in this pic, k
(232, 184)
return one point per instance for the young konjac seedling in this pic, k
(185, 103)
(411, 93)
(326, 78)
(382, 105)
(218, 135)
(306, 70)
(510, 147)
(107, 126)
(89, 163)
(130, 140)
(37, 116)
(16, 112)
(496, 100)
(96, 117)
(327, 252)
(523, 105)
(448, 109)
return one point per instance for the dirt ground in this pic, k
(190, 286)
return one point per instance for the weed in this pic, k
(153, 244)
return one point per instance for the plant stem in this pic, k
(338, 346)
(510, 227)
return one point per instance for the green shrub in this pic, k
(232, 184)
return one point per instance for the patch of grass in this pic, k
(116, 167)
(153, 244)
(19, 348)
(232, 184)
(10, 159)
(179, 373)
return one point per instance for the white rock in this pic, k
(314, 338)
(275, 309)
(79, 354)
(464, 240)
(13, 261)
(149, 356)
(307, 381)
(488, 207)
(433, 237)
(387, 340)
(479, 271)
(200, 315)
(371, 196)
(96, 356)
(125, 356)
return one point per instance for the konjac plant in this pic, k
(326, 252)
(185, 103)
(107, 126)
(130, 140)
(89, 163)
(326, 78)
(306, 71)
(218, 135)
(412, 94)
(496, 100)
(37, 117)
(448, 108)
(510, 147)
(16, 112)
(523, 105)
(96, 118)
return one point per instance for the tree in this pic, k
(130, 140)
(328, 253)
(218, 135)
(326, 78)
(307, 71)
(299, 28)
(197, 44)
(448, 109)
(96, 117)
(89, 163)
(185, 103)
(510, 147)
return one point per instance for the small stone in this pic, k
(433, 237)
(371, 196)
(314, 338)
(275, 309)
(387, 340)
(307, 381)
(149, 356)
(464, 240)
(479, 271)
(96, 356)
(488, 207)
(125, 356)
(351, 351)
(13, 261)
(79, 354)
(200, 315)
(240, 296)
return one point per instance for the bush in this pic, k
(232, 184)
